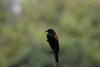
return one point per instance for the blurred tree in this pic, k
(76, 21)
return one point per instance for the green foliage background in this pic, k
(23, 37)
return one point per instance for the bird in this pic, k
(53, 41)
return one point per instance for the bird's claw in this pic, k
(51, 52)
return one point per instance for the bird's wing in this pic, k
(53, 41)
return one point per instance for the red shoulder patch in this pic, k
(56, 37)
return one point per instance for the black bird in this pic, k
(52, 39)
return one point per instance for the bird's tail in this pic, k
(56, 57)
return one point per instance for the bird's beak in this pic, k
(46, 31)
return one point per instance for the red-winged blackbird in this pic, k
(52, 39)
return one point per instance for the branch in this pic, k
(53, 59)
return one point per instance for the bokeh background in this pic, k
(23, 37)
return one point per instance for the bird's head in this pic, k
(50, 31)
